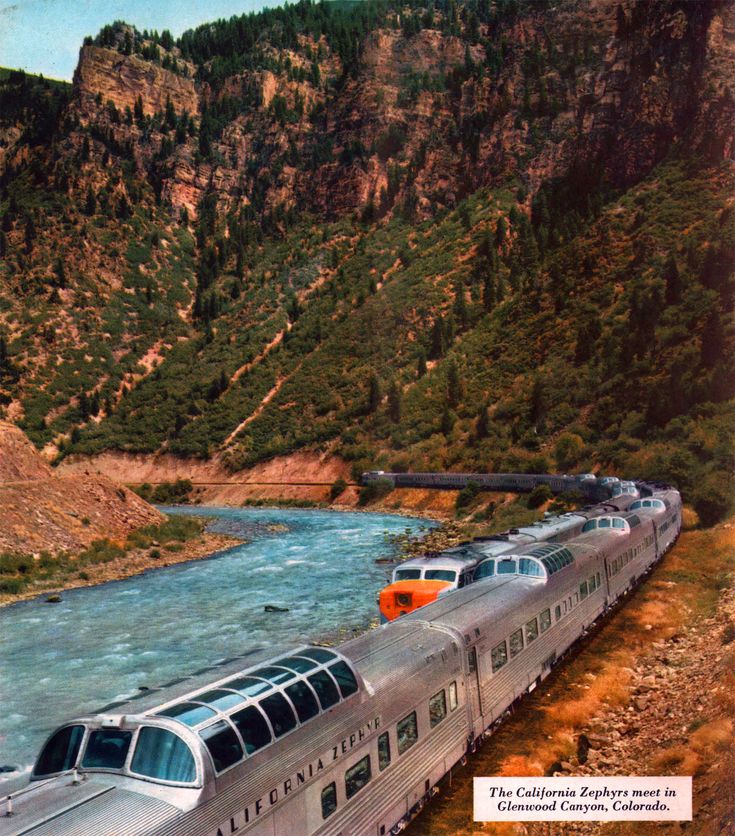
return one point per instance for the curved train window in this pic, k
(453, 701)
(325, 689)
(188, 713)
(345, 679)
(383, 751)
(221, 700)
(531, 630)
(590, 525)
(516, 642)
(440, 575)
(506, 567)
(485, 570)
(252, 727)
(107, 749)
(407, 732)
(329, 800)
(250, 687)
(437, 708)
(161, 754)
(617, 523)
(297, 664)
(357, 776)
(275, 675)
(318, 654)
(60, 753)
(530, 567)
(223, 745)
(279, 713)
(408, 574)
(304, 701)
(604, 523)
(545, 619)
(499, 656)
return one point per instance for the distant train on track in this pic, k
(592, 487)
(346, 740)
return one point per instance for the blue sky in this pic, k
(44, 36)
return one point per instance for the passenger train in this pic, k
(587, 483)
(421, 580)
(345, 740)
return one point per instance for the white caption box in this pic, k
(631, 798)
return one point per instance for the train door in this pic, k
(474, 698)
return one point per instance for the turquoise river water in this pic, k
(102, 643)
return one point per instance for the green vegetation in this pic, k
(167, 493)
(23, 572)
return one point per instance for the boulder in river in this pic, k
(274, 608)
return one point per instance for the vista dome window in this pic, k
(163, 755)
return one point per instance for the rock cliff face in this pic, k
(109, 76)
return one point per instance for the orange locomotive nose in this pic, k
(403, 597)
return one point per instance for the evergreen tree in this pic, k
(482, 425)
(447, 422)
(394, 402)
(712, 339)
(421, 366)
(454, 385)
(672, 278)
(488, 293)
(438, 342)
(374, 394)
(84, 406)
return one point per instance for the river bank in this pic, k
(133, 562)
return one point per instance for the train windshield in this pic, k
(407, 574)
(440, 575)
(107, 749)
(61, 752)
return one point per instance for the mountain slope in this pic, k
(494, 235)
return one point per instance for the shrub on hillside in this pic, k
(466, 497)
(338, 487)
(539, 495)
(711, 500)
(377, 489)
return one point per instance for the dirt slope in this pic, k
(43, 511)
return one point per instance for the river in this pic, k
(102, 643)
